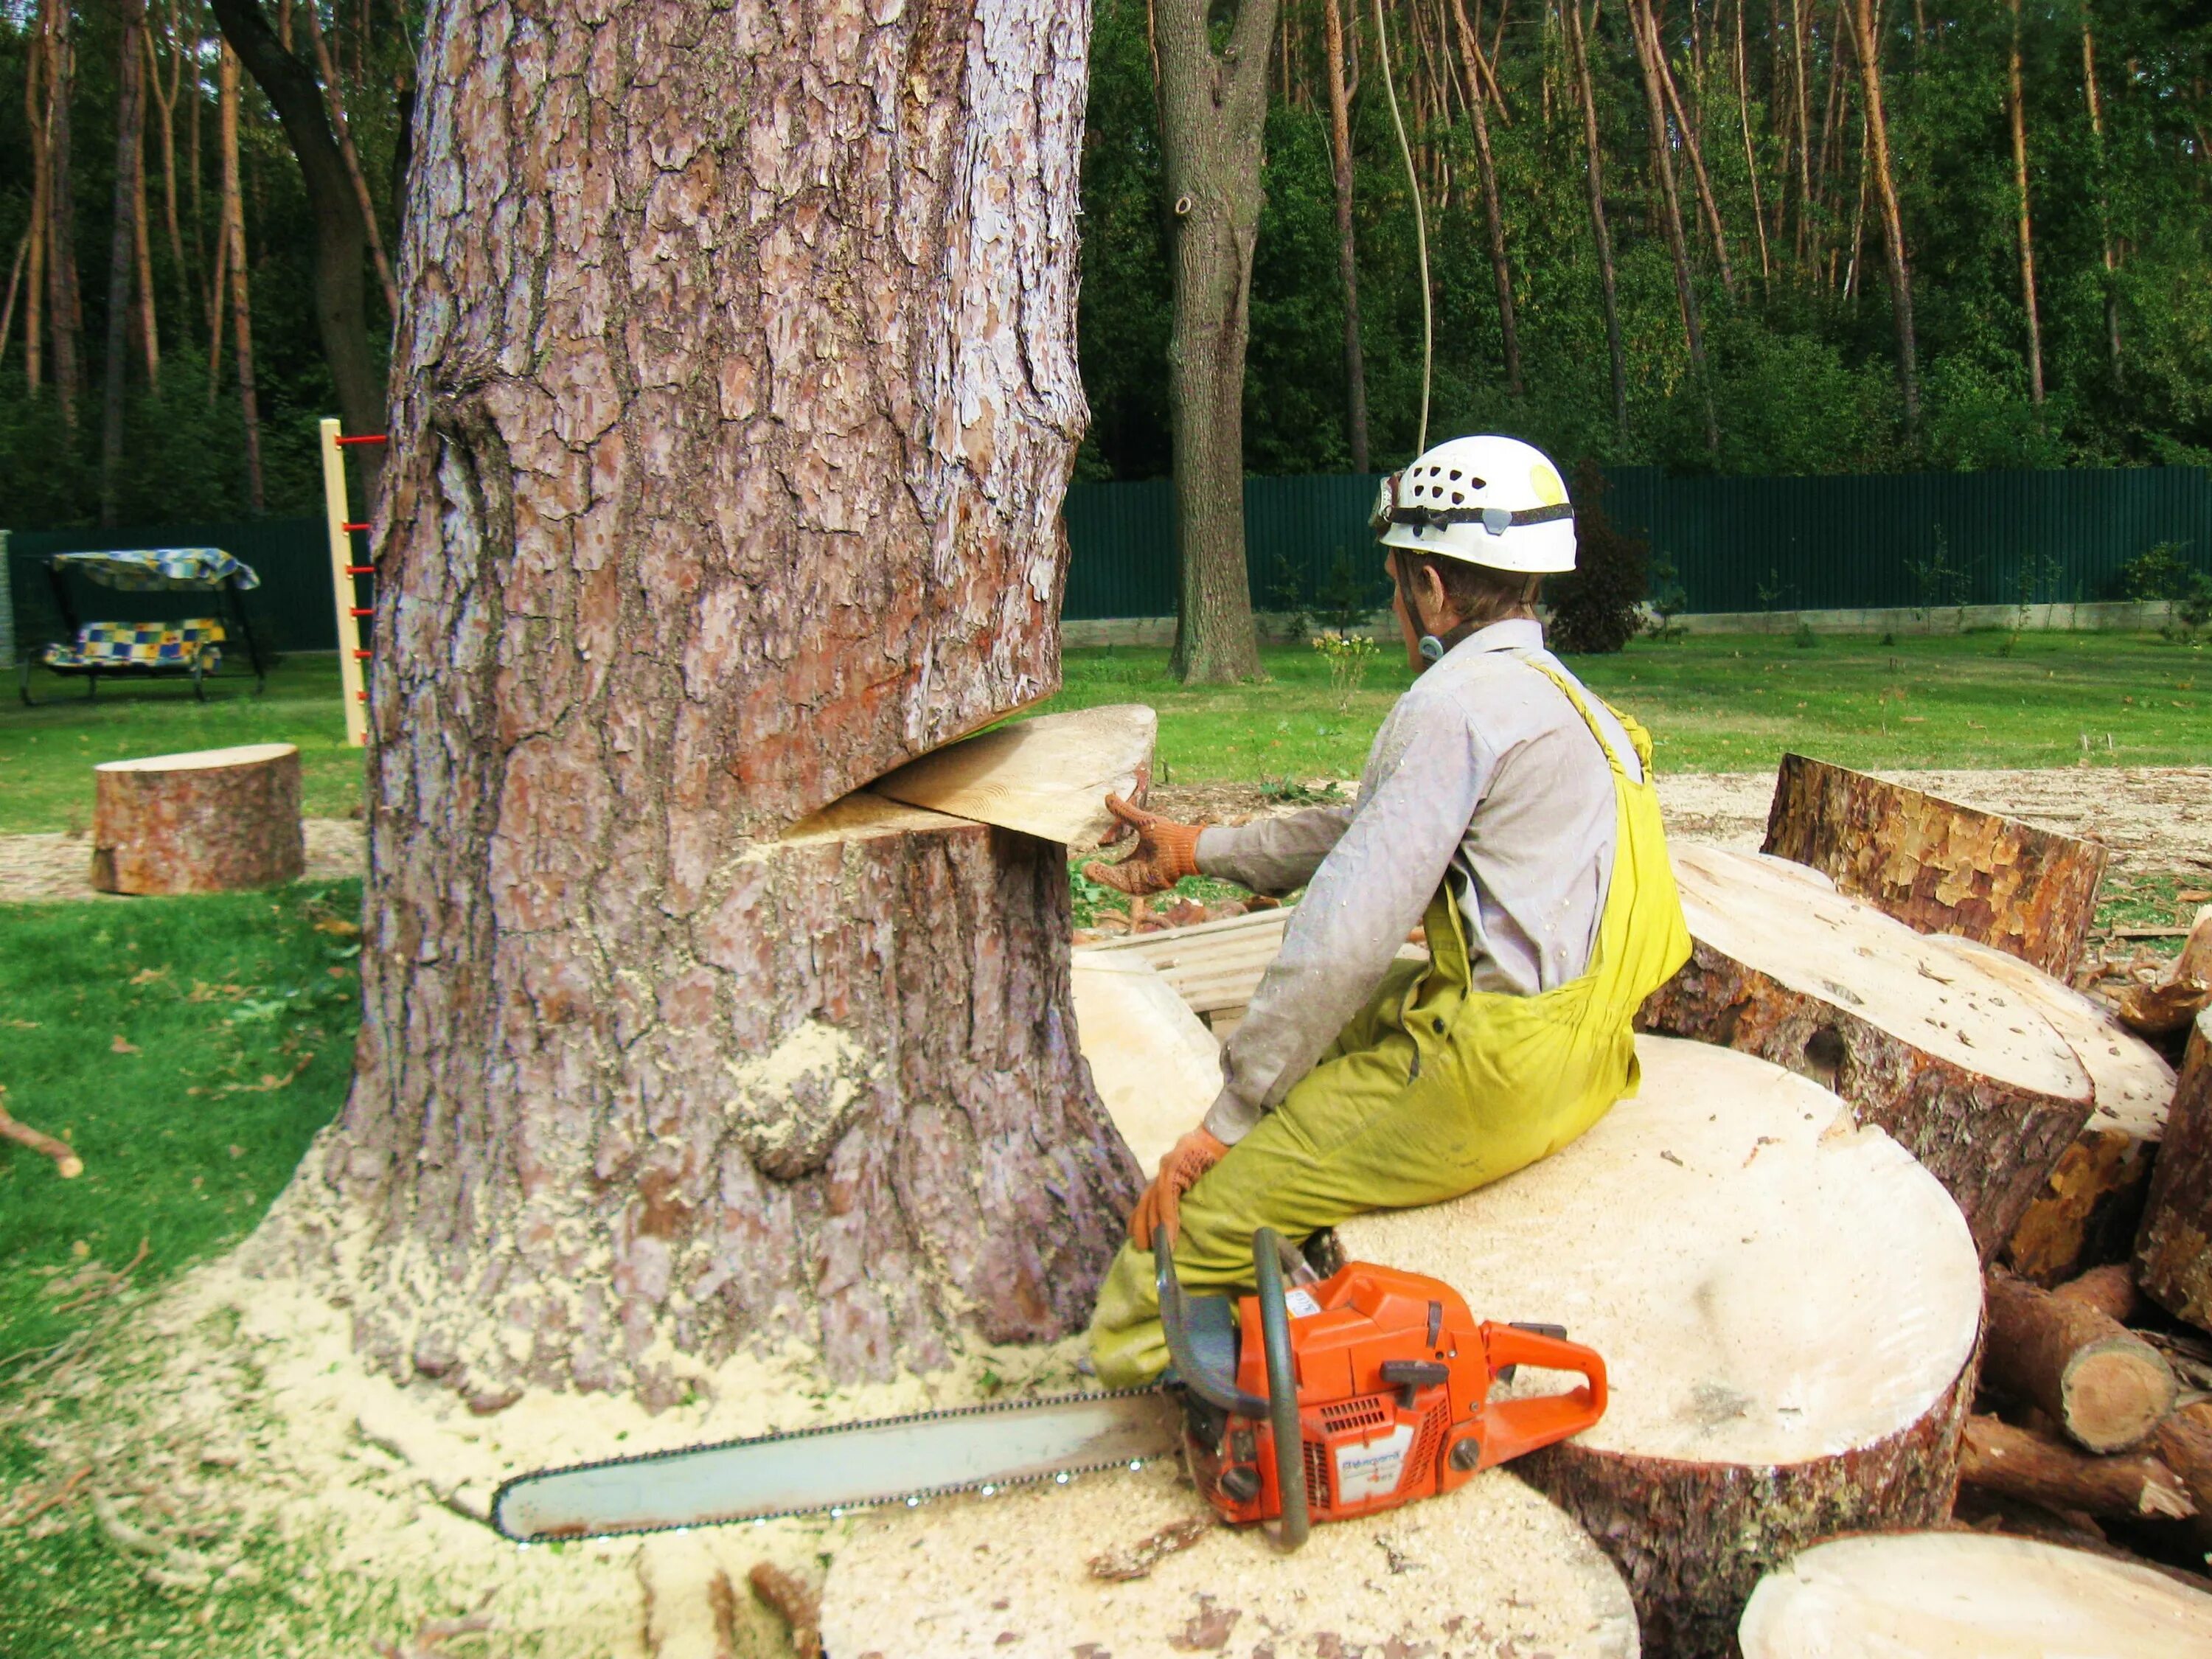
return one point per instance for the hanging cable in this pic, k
(1420, 225)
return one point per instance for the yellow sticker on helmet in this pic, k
(1550, 492)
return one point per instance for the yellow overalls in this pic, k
(1432, 1089)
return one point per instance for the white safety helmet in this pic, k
(1489, 501)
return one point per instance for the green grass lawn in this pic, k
(46, 753)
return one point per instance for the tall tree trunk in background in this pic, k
(674, 552)
(341, 232)
(145, 323)
(1213, 115)
(165, 99)
(1750, 153)
(14, 286)
(1492, 213)
(37, 83)
(335, 103)
(123, 242)
(2016, 110)
(64, 311)
(1696, 152)
(1662, 168)
(1802, 107)
(1867, 48)
(2104, 195)
(1601, 233)
(1339, 142)
(233, 259)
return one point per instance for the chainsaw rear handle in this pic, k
(1280, 1409)
(1512, 1427)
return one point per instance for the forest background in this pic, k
(2048, 159)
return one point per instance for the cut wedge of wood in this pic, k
(1047, 777)
(1152, 1061)
(1969, 1595)
(1787, 1306)
(1937, 865)
(1916, 1038)
(1012, 1577)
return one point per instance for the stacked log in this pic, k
(2106, 1388)
(2170, 1005)
(1963, 1593)
(1788, 1306)
(213, 821)
(1916, 1038)
(1937, 866)
(2173, 1251)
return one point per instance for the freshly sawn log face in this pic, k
(214, 821)
(1914, 1036)
(1788, 1308)
(1937, 866)
(1966, 1593)
(2173, 1251)
(2105, 1386)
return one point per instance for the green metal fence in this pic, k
(290, 611)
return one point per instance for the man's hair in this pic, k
(1479, 594)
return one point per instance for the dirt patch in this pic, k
(58, 866)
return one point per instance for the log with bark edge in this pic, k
(2184, 1444)
(2173, 1248)
(1127, 1563)
(1969, 1593)
(2091, 1202)
(67, 1165)
(1938, 866)
(2111, 1290)
(1047, 777)
(2105, 1386)
(2168, 1006)
(214, 821)
(1997, 1457)
(1916, 1038)
(1788, 1307)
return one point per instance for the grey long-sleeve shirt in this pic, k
(1483, 769)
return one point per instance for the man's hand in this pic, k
(1161, 1205)
(1166, 852)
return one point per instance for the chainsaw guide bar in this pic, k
(839, 1467)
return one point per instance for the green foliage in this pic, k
(2157, 573)
(1598, 606)
(1804, 639)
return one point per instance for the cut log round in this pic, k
(1047, 777)
(1969, 1595)
(1937, 866)
(215, 821)
(2091, 1202)
(2020, 1463)
(2104, 1385)
(1788, 1309)
(2173, 1250)
(1023, 1574)
(1155, 1065)
(1918, 1040)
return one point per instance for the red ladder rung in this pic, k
(365, 438)
(361, 611)
(360, 570)
(349, 528)
(364, 655)
(361, 697)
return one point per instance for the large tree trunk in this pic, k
(1601, 234)
(130, 116)
(1339, 152)
(734, 414)
(1213, 114)
(1866, 48)
(2016, 111)
(1493, 214)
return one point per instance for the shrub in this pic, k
(1598, 606)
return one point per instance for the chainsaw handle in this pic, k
(1512, 1427)
(1282, 1387)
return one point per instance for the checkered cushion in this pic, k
(104, 644)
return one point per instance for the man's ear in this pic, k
(1435, 604)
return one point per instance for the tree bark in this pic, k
(145, 322)
(341, 232)
(1493, 213)
(2173, 1250)
(212, 822)
(2106, 1388)
(130, 117)
(1600, 235)
(1663, 169)
(233, 259)
(736, 399)
(2016, 112)
(1339, 150)
(2111, 1290)
(1213, 114)
(1937, 866)
(1867, 48)
(2000, 1458)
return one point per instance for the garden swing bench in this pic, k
(149, 650)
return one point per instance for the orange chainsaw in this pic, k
(1310, 1400)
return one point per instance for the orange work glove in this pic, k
(1166, 852)
(1161, 1205)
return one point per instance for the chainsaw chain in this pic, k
(921, 1496)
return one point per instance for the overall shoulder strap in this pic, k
(1580, 697)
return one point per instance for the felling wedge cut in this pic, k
(1788, 1308)
(1918, 1039)
(1047, 777)
(1132, 1563)
(1970, 1596)
(1154, 1064)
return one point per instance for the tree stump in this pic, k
(2173, 1250)
(1968, 1593)
(1132, 1563)
(1937, 866)
(1914, 1036)
(214, 821)
(1788, 1308)
(2091, 1202)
